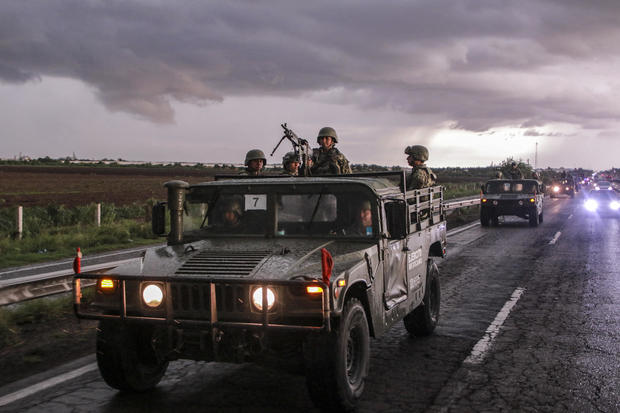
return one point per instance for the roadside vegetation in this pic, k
(54, 232)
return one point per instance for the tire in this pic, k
(534, 218)
(337, 364)
(424, 318)
(126, 358)
(484, 217)
(572, 194)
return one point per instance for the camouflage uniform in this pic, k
(515, 173)
(330, 161)
(421, 175)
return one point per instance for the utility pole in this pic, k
(536, 157)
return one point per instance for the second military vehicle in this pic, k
(563, 186)
(520, 197)
(301, 271)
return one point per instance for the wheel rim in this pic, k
(354, 355)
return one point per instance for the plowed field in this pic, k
(72, 186)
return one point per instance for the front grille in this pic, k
(222, 264)
(190, 298)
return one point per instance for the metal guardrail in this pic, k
(41, 285)
(461, 202)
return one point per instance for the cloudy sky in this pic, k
(476, 81)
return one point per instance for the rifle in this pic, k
(300, 146)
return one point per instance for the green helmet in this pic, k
(327, 131)
(255, 154)
(418, 152)
(289, 157)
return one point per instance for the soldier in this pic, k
(536, 175)
(421, 175)
(515, 172)
(327, 160)
(230, 214)
(255, 161)
(290, 162)
(363, 220)
(499, 174)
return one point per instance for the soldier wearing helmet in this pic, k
(290, 162)
(255, 161)
(327, 160)
(515, 172)
(421, 175)
(499, 174)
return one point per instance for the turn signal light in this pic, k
(106, 285)
(313, 289)
(484, 200)
(532, 200)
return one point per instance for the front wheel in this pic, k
(534, 218)
(484, 217)
(126, 358)
(337, 364)
(540, 217)
(424, 318)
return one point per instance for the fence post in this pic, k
(20, 221)
(98, 215)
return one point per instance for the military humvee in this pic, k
(299, 279)
(520, 197)
(564, 186)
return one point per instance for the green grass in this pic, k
(38, 311)
(61, 242)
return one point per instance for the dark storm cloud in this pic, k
(477, 63)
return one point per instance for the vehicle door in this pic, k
(395, 253)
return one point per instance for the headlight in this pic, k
(615, 205)
(152, 295)
(257, 298)
(591, 205)
(556, 189)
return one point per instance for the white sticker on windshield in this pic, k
(256, 202)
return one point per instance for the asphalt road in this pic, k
(530, 321)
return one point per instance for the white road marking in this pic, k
(555, 238)
(570, 216)
(46, 384)
(484, 344)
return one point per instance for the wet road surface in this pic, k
(530, 321)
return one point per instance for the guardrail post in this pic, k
(20, 221)
(98, 215)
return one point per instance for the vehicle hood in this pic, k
(247, 259)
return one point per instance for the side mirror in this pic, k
(158, 220)
(396, 215)
(543, 188)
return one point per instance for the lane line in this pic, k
(555, 238)
(46, 384)
(484, 344)
(570, 216)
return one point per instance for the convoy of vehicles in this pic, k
(565, 186)
(274, 269)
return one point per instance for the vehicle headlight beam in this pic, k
(152, 295)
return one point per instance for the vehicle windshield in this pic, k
(503, 187)
(306, 212)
